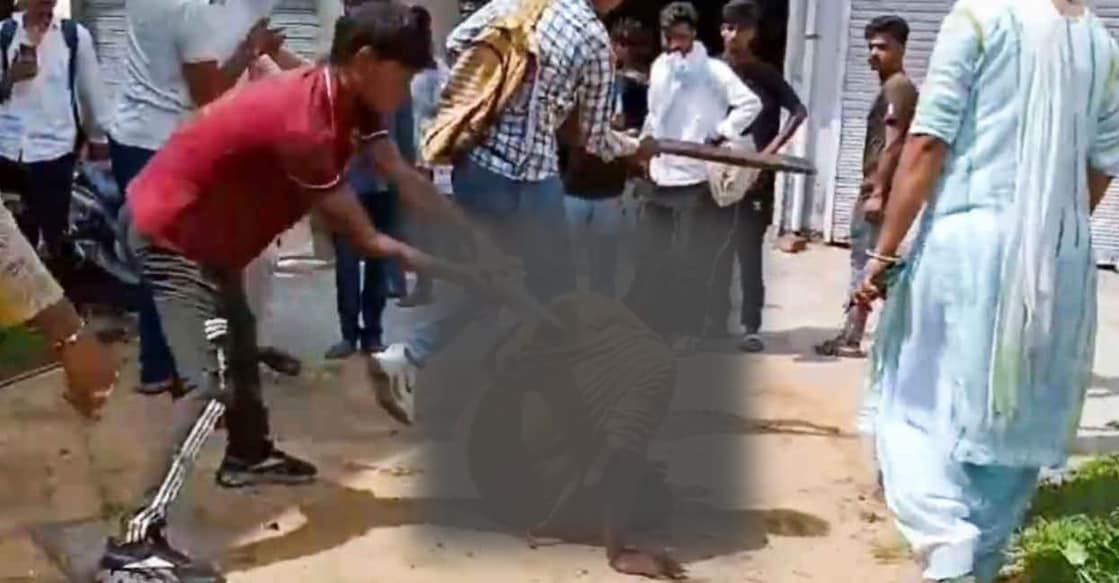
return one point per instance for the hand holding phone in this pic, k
(26, 64)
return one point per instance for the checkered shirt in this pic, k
(575, 69)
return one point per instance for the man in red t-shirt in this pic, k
(225, 185)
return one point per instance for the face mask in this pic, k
(687, 67)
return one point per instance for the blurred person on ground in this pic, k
(245, 169)
(983, 353)
(594, 203)
(510, 180)
(177, 61)
(52, 103)
(694, 98)
(755, 212)
(30, 295)
(886, 128)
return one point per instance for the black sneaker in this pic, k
(150, 561)
(278, 468)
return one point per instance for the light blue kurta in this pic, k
(986, 341)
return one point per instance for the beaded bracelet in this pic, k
(71, 339)
(891, 259)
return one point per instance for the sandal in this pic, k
(839, 347)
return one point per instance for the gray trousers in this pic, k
(683, 236)
(212, 335)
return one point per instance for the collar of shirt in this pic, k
(37, 123)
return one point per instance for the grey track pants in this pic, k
(212, 335)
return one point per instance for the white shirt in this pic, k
(37, 124)
(236, 18)
(163, 35)
(689, 100)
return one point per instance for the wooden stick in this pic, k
(736, 157)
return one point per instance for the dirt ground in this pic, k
(806, 509)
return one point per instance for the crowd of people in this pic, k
(527, 182)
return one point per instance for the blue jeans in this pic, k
(864, 238)
(365, 296)
(527, 220)
(156, 363)
(596, 231)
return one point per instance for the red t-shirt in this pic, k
(248, 167)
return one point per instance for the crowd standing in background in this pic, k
(693, 97)
(222, 139)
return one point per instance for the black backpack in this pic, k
(70, 35)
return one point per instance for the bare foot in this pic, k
(656, 565)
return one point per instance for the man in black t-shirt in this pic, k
(755, 212)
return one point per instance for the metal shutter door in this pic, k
(860, 87)
(1105, 222)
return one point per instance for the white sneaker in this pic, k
(394, 378)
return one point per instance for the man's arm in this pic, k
(206, 80)
(744, 104)
(901, 100)
(345, 215)
(922, 162)
(596, 106)
(791, 102)
(1098, 183)
(417, 192)
(96, 113)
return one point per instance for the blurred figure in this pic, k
(29, 295)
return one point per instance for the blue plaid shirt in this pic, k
(575, 70)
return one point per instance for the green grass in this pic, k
(21, 350)
(1072, 535)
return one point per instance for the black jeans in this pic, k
(683, 238)
(156, 363)
(46, 200)
(754, 218)
(366, 296)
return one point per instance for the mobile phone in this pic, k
(27, 52)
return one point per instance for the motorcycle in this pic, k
(94, 232)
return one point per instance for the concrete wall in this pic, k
(814, 64)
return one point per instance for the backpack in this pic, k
(482, 82)
(70, 35)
